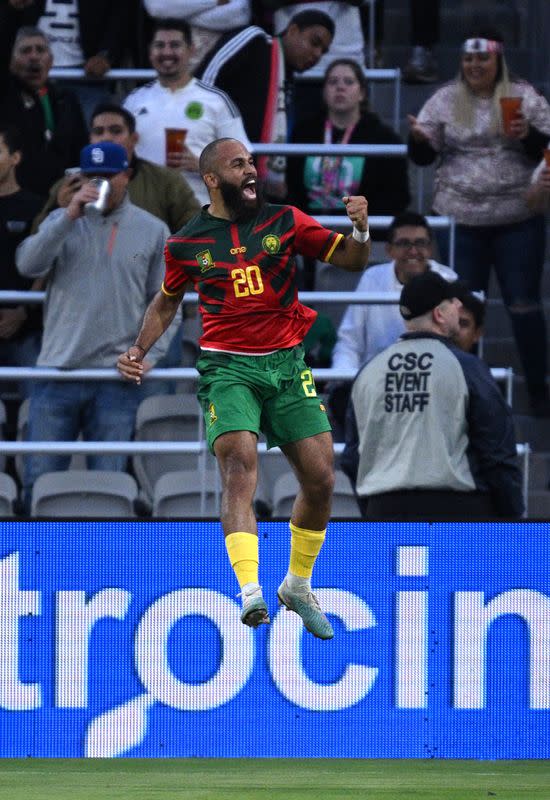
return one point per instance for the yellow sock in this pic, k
(304, 549)
(242, 549)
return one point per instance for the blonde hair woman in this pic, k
(483, 172)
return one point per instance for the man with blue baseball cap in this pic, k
(102, 270)
(105, 160)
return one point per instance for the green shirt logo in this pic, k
(204, 260)
(194, 110)
(271, 244)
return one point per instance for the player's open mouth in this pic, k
(249, 189)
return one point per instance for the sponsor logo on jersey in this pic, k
(271, 244)
(235, 250)
(194, 110)
(204, 260)
(212, 412)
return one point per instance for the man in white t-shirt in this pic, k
(177, 100)
(367, 329)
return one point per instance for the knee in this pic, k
(239, 474)
(318, 486)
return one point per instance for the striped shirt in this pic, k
(245, 275)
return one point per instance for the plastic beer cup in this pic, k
(175, 140)
(510, 107)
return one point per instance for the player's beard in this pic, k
(240, 209)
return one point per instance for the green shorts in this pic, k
(274, 394)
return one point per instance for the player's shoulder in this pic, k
(197, 225)
(275, 214)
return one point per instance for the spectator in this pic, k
(176, 99)
(266, 102)
(103, 269)
(482, 176)
(348, 41)
(20, 324)
(424, 17)
(318, 183)
(429, 436)
(367, 329)
(92, 34)
(48, 119)
(156, 189)
(208, 20)
(471, 319)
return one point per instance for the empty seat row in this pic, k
(178, 494)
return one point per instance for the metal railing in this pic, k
(371, 74)
(8, 448)
(501, 374)
(334, 221)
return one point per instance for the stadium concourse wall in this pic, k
(123, 639)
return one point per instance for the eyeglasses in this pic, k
(408, 244)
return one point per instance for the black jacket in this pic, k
(384, 180)
(45, 157)
(240, 64)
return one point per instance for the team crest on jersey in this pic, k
(271, 244)
(194, 110)
(204, 260)
(212, 412)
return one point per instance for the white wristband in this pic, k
(360, 236)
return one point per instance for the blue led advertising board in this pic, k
(124, 639)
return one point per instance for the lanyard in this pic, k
(330, 165)
(48, 112)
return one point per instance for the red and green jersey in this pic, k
(245, 275)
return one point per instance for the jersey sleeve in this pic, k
(174, 276)
(311, 239)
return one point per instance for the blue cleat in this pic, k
(307, 607)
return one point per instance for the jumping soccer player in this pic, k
(239, 255)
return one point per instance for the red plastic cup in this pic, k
(510, 107)
(175, 140)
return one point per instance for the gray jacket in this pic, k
(102, 274)
(425, 415)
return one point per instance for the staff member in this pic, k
(429, 435)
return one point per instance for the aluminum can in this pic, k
(104, 189)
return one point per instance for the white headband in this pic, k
(482, 46)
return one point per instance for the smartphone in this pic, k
(72, 171)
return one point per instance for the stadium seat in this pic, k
(78, 460)
(344, 503)
(8, 493)
(84, 493)
(180, 494)
(167, 418)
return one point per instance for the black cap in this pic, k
(424, 292)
